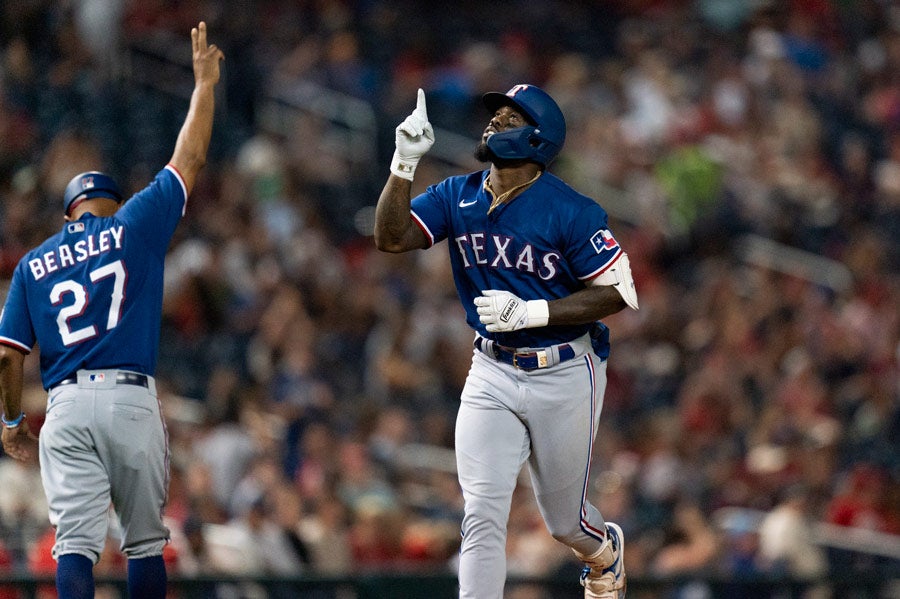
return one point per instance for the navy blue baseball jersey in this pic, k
(87, 295)
(547, 243)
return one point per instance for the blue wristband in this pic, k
(14, 422)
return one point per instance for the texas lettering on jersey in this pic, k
(68, 255)
(501, 251)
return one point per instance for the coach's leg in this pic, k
(74, 577)
(135, 451)
(147, 578)
(77, 490)
(491, 446)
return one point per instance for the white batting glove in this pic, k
(502, 311)
(414, 137)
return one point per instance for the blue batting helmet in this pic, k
(540, 141)
(92, 184)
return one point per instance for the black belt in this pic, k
(122, 378)
(525, 360)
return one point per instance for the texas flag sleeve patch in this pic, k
(603, 241)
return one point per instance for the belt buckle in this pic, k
(542, 360)
(528, 354)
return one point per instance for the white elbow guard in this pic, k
(619, 276)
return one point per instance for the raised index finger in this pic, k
(194, 44)
(420, 105)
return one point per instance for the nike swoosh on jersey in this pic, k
(464, 203)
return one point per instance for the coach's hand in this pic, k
(502, 311)
(20, 443)
(206, 56)
(414, 137)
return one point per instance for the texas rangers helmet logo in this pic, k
(516, 89)
(603, 240)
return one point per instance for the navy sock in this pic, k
(74, 577)
(147, 578)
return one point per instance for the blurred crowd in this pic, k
(311, 383)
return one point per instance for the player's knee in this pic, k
(565, 533)
(144, 549)
(83, 547)
(484, 516)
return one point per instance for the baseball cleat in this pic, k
(609, 582)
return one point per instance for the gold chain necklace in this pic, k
(499, 199)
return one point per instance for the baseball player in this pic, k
(536, 267)
(91, 297)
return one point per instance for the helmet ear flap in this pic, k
(523, 143)
(515, 144)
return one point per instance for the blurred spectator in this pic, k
(786, 543)
(6, 567)
(317, 470)
(23, 508)
(690, 544)
(41, 563)
(325, 531)
(862, 503)
(376, 536)
(225, 446)
(278, 553)
(193, 552)
(362, 485)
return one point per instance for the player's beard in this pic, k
(484, 154)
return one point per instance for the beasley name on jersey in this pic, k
(70, 254)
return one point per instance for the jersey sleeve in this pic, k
(155, 211)
(16, 329)
(429, 211)
(593, 248)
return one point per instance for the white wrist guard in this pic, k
(405, 168)
(538, 313)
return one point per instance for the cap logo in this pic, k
(87, 183)
(516, 89)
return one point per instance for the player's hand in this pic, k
(501, 311)
(414, 137)
(206, 56)
(20, 443)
